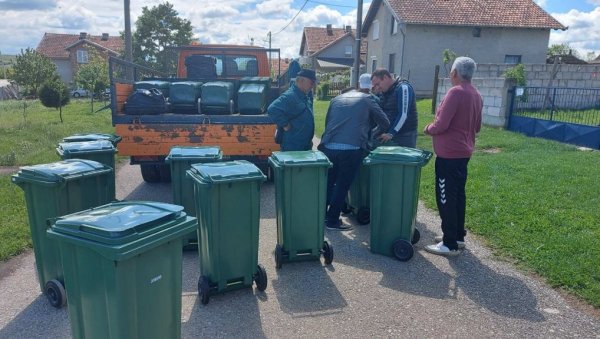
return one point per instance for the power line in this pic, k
(323, 3)
(301, 8)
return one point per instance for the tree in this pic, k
(31, 69)
(156, 29)
(93, 76)
(54, 93)
(590, 56)
(448, 59)
(562, 49)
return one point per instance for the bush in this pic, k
(323, 90)
(54, 93)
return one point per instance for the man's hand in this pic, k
(385, 137)
(287, 127)
(425, 130)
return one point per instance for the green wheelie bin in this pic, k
(113, 138)
(52, 190)
(122, 263)
(227, 196)
(395, 174)
(357, 200)
(102, 151)
(180, 159)
(300, 200)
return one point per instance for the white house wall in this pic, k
(64, 70)
(338, 49)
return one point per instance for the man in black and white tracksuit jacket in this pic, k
(397, 99)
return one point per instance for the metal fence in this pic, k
(571, 105)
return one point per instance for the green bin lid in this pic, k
(113, 138)
(84, 147)
(120, 222)
(61, 171)
(300, 158)
(219, 172)
(201, 153)
(399, 154)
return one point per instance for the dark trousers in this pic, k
(450, 181)
(339, 178)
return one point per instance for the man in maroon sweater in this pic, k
(457, 121)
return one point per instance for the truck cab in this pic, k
(217, 97)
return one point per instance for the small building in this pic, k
(68, 51)
(409, 37)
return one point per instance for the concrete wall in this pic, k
(494, 92)
(338, 50)
(538, 75)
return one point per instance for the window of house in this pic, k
(512, 59)
(348, 51)
(375, 29)
(477, 32)
(391, 63)
(394, 26)
(373, 65)
(82, 56)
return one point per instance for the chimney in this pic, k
(104, 37)
(329, 29)
(348, 29)
(82, 35)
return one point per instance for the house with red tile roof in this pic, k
(329, 48)
(408, 37)
(68, 51)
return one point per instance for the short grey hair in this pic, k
(465, 67)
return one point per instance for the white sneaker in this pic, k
(461, 244)
(441, 249)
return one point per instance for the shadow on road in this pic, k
(38, 320)
(304, 289)
(501, 294)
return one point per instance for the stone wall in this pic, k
(494, 92)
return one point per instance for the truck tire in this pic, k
(165, 172)
(150, 173)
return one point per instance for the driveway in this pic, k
(361, 295)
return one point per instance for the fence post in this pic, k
(553, 101)
(512, 92)
(436, 80)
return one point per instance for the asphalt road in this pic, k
(361, 295)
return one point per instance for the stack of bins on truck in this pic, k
(102, 151)
(162, 86)
(184, 95)
(253, 95)
(395, 175)
(53, 190)
(180, 160)
(123, 278)
(228, 241)
(300, 200)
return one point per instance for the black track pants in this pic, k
(450, 181)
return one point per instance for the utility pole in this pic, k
(128, 47)
(357, 44)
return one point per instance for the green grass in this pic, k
(533, 200)
(30, 138)
(583, 117)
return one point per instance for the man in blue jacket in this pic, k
(399, 103)
(344, 142)
(293, 113)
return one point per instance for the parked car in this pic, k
(80, 92)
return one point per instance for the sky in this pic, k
(24, 22)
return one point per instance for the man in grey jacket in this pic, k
(344, 142)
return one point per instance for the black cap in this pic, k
(308, 73)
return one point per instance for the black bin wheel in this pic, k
(403, 250)
(55, 292)
(203, 289)
(278, 256)
(416, 237)
(363, 216)
(327, 253)
(260, 278)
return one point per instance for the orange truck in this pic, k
(241, 128)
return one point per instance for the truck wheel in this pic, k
(164, 172)
(150, 173)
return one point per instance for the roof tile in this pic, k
(53, 44)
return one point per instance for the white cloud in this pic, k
(273, 7)
(583, 33)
